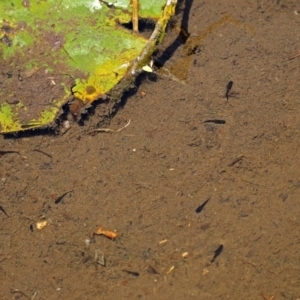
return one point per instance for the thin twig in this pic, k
(236, 160)
(124, 126)
(43, 152)
(3, 210)
(14, 291)
(294, 56)
(34, 295)
(111, 130)
(4, 152)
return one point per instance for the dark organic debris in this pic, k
(283, 196)
(151, 270)
(6, 40)
(205, 226)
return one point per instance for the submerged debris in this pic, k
(99, 257)
(41, 224)
(110, 234)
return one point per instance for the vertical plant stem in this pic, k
(145, 57)
(135, 15)
(156, 37)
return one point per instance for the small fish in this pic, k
(133, 273)
(3, 210)
(217, 253)
(216, 121)
(228, 88)
(60, 198)
(200, 208)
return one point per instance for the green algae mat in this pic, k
(55, 51)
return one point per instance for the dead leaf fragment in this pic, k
(162, 242)
(185, 254)
(99, 257)
(41, 224)
(30, 72)
(110, 234)
(204, 271)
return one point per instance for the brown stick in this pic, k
(294, 56)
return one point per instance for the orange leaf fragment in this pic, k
(110, 234)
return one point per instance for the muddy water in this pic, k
(150, 182)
